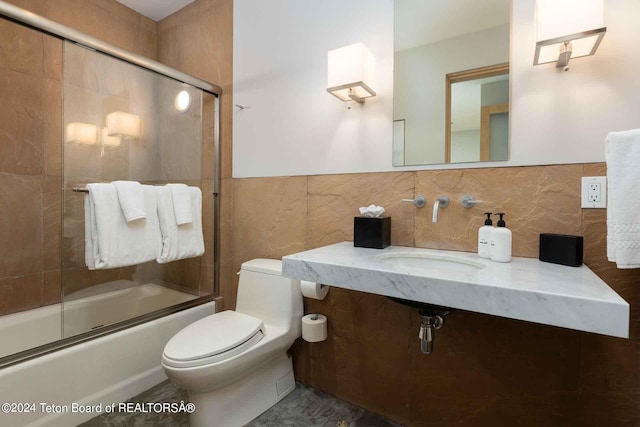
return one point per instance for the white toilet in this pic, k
(234, 363)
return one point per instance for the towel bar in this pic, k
(86, 190)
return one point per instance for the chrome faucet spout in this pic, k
(441, 202)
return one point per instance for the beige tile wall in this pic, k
(30, 175)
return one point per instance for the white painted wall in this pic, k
(563, 117)
(294, 127)
(465, 146)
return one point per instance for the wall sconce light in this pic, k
(182, 102)
(109, 141)
(123, 124)
(81, 133)
(351, 72)
(568, 29)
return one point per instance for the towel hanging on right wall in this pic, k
(622, 154)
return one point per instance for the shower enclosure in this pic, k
(81, 111)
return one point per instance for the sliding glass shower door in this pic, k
(123, 122)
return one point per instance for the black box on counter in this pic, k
(371, 232)
(561, 249)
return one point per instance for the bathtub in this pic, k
(125, 301)
(105, 370)
(84, 310)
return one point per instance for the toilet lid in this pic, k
(213, 335)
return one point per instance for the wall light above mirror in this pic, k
(433, 40)
(568, 29)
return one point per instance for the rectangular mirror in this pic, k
(451, 81)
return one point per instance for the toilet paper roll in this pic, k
(313, 290)
(314, 327)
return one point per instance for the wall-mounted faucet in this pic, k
(442, 202)
(419, 201)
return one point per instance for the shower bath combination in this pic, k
(114, 115)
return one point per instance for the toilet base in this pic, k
(238, 403)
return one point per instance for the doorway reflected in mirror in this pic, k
(477, 123)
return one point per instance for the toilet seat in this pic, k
(213, 339)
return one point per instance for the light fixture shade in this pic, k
(351, 72)
(123, 124)
(81, 133)
(580, 22)
(109, 141)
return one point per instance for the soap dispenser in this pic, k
(484, 237)
(501, 241)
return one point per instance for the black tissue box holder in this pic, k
(371, 232)
(561, 249)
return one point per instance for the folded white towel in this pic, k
(110, 241)
(622, 152)
(179, 241)
(181, 203)
(131, 199)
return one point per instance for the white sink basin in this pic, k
(427, 261)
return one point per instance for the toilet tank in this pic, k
(264, 293)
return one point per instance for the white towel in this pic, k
(622, 152)
(131, 199)
(181, 196)
(179, 241)
(110, 241)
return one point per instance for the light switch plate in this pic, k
(594, 192)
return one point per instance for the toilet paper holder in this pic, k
(313, 290)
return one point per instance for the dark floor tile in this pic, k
(163, 392)
(304, 407)
(308, 407)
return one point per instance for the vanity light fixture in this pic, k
(568, 29)
(123, 124)
(182, 102)
(351, 72)
(81, 133)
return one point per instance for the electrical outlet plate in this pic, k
(594, 192)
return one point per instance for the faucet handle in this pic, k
(419, 201)
(469, 202)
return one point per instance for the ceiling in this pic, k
(156, 9)
(419, 22)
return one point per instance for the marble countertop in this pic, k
(524, 289)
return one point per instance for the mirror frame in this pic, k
(463, 76)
